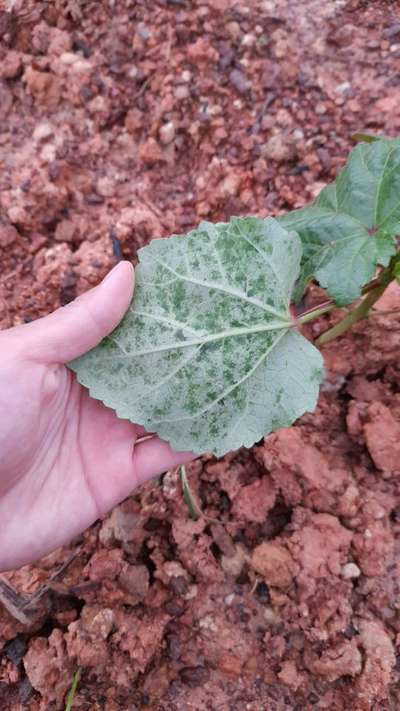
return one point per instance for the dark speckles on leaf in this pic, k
(178, 295)
(200, 357)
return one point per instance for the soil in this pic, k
(121, 121)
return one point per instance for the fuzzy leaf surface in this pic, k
(207, 355)
(352, 225)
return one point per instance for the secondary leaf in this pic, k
(351, 227)
(365, 137)
(207, 355)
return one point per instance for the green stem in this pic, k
(360, 312)
(72, 691)
(314, 313)
(372, 292)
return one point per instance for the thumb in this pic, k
(76, 328)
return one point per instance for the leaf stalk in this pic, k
(314, 313)
(359, 312)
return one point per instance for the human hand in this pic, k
(65, 459)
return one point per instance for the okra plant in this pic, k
(209, 355)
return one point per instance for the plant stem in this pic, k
(195, 511)
(72, 691)
(314, 313)
(370, 286)
(355, 315)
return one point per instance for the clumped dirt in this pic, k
(120, 121)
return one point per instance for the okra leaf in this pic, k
(207, 355)
(352, 225)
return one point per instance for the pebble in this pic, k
(239, 81)
(233, 29)
(279, 148)
(105, 187)
(11, 65)
(8, 235)
(167, 133)
(350, 570)
(182, 92)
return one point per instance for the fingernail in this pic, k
(113, 270)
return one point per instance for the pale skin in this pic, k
(65, 459)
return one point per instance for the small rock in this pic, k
(233, 565)
(65, 231)
(202, 52)
(105, 187)
(134, 579)
(143, 31)
(150, 152)
(102, 623)
(69, 58)
(18, 215)
(222, 539)
(48, 153)
(42, 132)
(382, 435)
(104, 565)
(274, 563)
(248, 40)
(233, 29)
(239, 81)
(178, 584)
(230, 665)
(342, 88)
(388, 104)
(342, 659)
(392, 31)
(60, 41)
(182, 92)
(186, 76)
(134, 120)
(11, 65)
(8, 235)
(253, 502)
(354, 106)
(379, 657)
(6, 99)
(350, 570)
(279, 148)
(289, 675)
(230, 185)
(167, 133)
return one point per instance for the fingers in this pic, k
(74, 329)
(154, 456)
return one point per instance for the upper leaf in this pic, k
(352, 225)
(207, 355)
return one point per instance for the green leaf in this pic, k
(365, 137)
(351, 227)
(207, 355)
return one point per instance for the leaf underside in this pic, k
(352, 225)
(207, 356)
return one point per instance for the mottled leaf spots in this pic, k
(207, 355)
